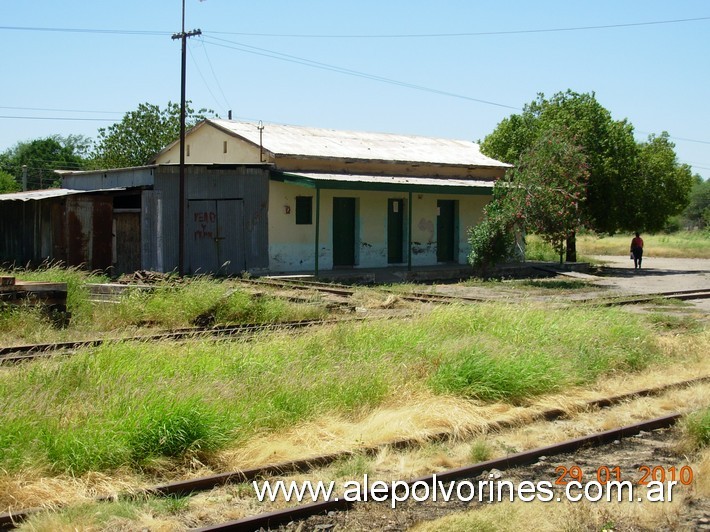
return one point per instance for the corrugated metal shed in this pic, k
(36, 195)
(301, 141)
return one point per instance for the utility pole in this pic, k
(181, 200)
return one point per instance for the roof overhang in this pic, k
(37, 195)
(386, 183)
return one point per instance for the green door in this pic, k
(343, 231)
(446, 231)
(395, 230)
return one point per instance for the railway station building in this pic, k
(266, 199)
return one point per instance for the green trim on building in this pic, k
(332, 184)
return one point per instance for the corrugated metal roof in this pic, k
(393, 180)
(35, 195)
(331, 143)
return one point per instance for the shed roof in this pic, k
(302, 141)
(35, 195)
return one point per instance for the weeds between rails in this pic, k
(278, 518)
(34, 351)
(186, 487)
(429, 297)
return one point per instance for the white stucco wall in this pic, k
(292, 246)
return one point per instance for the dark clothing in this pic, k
(637, 251)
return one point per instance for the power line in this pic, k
(361, 36)
(58, 118)
(461, 34)
(57, 110)
(333, 68)
(207, 86)
(214, 75)
(87, 30)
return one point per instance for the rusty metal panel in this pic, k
(58, 230)
(78, 226)
(127, 239)
(27, 231)
(101, 232)
(88, 229)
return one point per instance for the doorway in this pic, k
(446, 231)
(395, 230)
(343, 231)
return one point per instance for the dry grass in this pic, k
(581, 516)
(677, 245)
(416, 415)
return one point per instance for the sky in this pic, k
(440, 68)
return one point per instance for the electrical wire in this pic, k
(214, 75)
(57, 110)
(364, 36)
(461, 34)
(59, 118)
(199, 71)
(333, 68)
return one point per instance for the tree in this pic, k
(542, 194)
(546, 190)
(8, 183)
(140, 135)
(612, 199)
(697, 213)
(42, 157)
(663, 184)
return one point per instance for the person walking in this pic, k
(637, 251)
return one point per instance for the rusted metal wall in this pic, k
(27, 231)
(230, 189)
(89, 223)
(127, 241)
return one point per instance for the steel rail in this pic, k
(428, 297)
(186, 487)
(285, 516)
(30, 351)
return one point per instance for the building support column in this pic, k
(409, 233)
(317, 228)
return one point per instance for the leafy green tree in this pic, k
(42, 157)
(140, 135)
(697, 213)
(619, 169)
(663, 184)
(547, 188)
(8, 183)
(542, 194)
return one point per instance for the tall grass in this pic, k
(194, 301)
(683, 244)
(697, 428)
(126, 404)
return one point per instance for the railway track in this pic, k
(386, 492)
(22, 353)
(186, 487)
(429, 297)
(679, 295)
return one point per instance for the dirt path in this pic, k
(657, 275)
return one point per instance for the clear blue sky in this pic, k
(655, 75)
